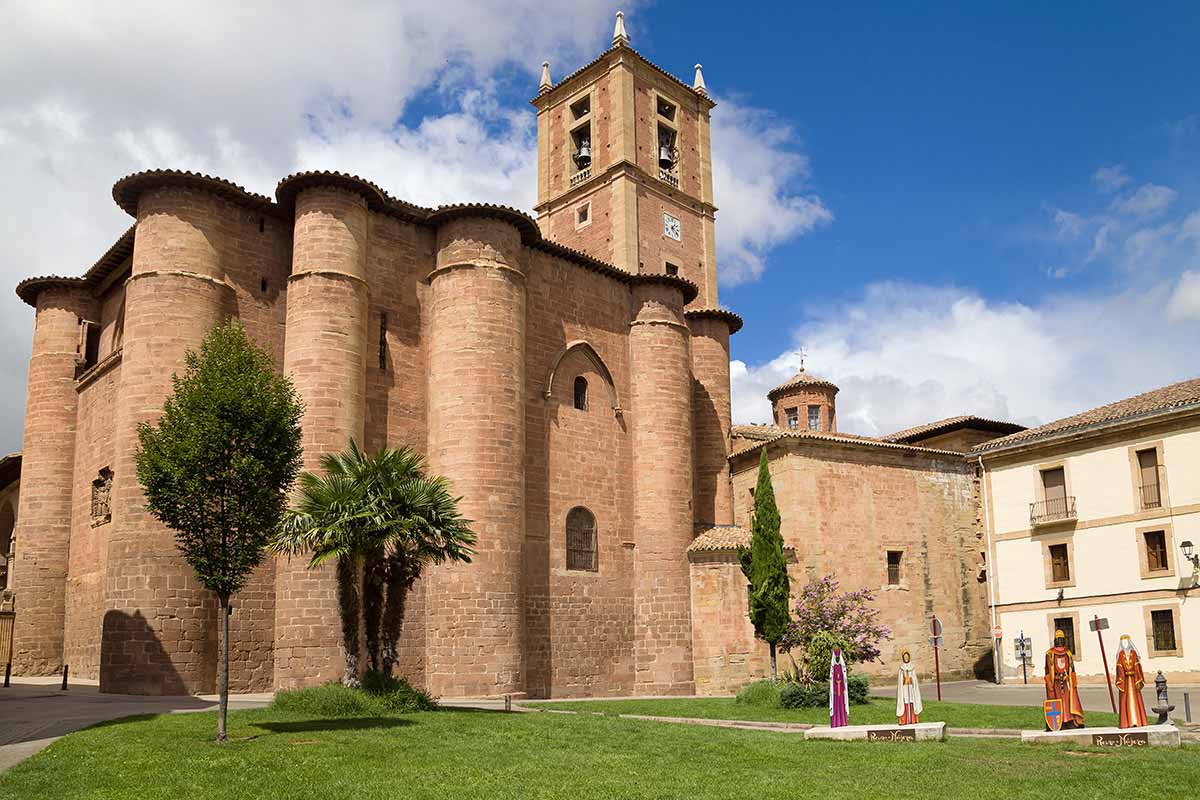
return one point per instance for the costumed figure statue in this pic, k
(908, 692)
(1061, 683)
(839, 699)
(1130, 681)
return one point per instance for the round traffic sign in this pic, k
(999, 634)
(935, 626)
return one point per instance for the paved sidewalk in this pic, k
(1093, 696)
(35, 711)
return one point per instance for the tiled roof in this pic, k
(1177, 396)
(723, 538)
(951, 424)
(801, 378)
(759, 435)
(733, 320)
(127, 190)
(114, 257)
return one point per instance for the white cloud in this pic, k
(903, 354)
(1110, 178)
(1184, 305)
(760, 180)
(1149, 200)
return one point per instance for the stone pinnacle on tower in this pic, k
(620, 37)
(545, 84)
(698, 84)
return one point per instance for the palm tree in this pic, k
(383, 520)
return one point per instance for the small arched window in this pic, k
(581, 540)
(581, 393)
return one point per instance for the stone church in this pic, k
(569, 374)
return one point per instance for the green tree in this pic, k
(217, 467)
(765, 565)
(382, 520)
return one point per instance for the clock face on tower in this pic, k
(670, 227)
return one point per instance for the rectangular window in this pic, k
(893, 567)
(1067, 626)
(1163, 626)
(1060, 567)
(581, 107)
(814, 418)
(1148, 472)
(793, 418)
(581, 149)
(1156, 551)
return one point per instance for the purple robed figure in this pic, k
(839, 700)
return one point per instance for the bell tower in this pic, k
(625, 166)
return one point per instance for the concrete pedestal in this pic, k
(1148, 736)
(922, 731)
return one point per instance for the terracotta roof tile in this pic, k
(950, 424)
(723, 538)
(758, 435)
(1177, 396)
(801, 378)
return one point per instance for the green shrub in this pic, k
(396, 694)
(377, 696)
(819, 652)
(816, 694)
(760, 693)
(859, 689)
(804, 695)
(330, 700)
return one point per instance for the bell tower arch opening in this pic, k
(625, 167)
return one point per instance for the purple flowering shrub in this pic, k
(824, 615)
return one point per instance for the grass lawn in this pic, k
(463, 755)
(955, 715)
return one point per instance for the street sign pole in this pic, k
(1097, 624)
(1024, 660)
(935, 626)
(998, 652)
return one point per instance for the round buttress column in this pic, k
(661, 382)
(325, 356)
(159, 631)
(711, 414)
(43, 530)
(477, 441)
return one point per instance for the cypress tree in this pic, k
(765, 566)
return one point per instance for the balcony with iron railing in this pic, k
(1151, 495)
(1048, 512)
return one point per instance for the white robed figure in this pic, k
(839, 698)
(908, 692)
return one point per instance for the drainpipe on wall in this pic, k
(991, 568)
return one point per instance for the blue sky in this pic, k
(951, 208)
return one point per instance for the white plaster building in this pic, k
(1087, 516)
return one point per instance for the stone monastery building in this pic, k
(569, 375)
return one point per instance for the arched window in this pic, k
(7, 520)
(581, 540)
(581, 393)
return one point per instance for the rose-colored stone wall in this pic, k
(842, 509)
(579, 624)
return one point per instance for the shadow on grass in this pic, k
(350, 724)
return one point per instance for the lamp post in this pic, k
(1193, 557)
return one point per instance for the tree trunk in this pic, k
(350, 608)
(223, 688)
(773, 673)
(399, 580)
(373, 587)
